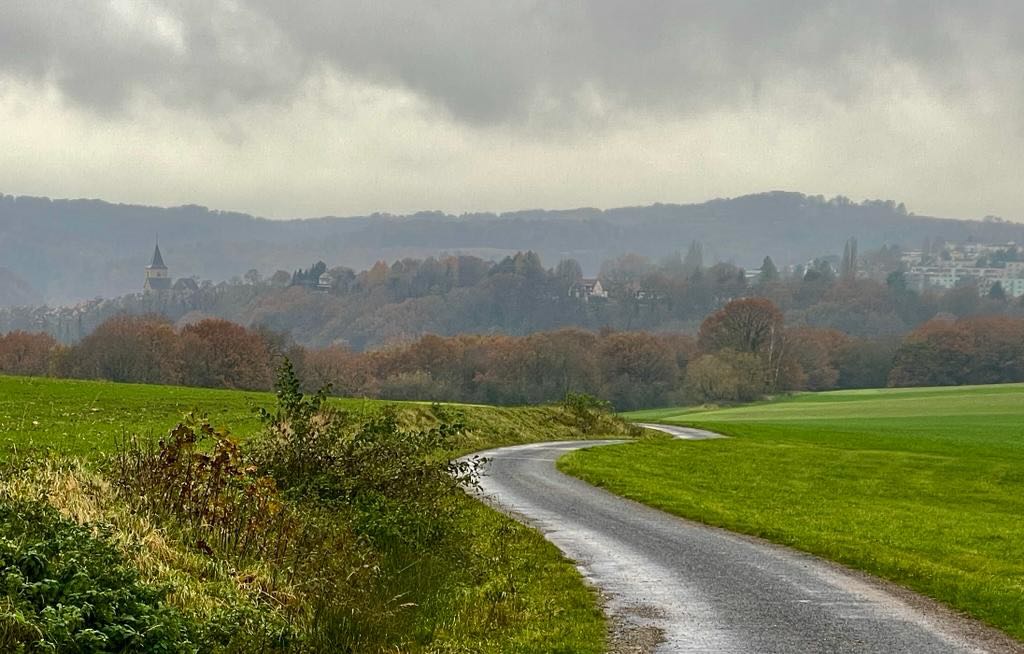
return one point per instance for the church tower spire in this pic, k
(158, 260)
(157, 276)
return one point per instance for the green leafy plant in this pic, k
(65, 588)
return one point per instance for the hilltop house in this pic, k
(325, 282)
(588, 288)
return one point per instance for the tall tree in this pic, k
(769, 273)
(746, 325)
(127, 349)
(694, 259)
(752, 325)
(935, 354)
(848, 268)
(568, 272)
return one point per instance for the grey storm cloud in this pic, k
(486, 63)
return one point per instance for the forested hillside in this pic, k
(15, 291)
(72, 250)
(396, 303)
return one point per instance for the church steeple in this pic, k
(158, 260)
(157, 277)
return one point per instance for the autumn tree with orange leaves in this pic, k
(221, 354)
(753, 326)
(25, 353)
(126, 349)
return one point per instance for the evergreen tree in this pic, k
(997, 292)
(897, 280)
(848, 268)
(769, 273)
(694, 259)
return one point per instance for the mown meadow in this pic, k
(924, 487)
(158, 518)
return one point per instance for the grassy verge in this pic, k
(400, 569)
(534, 597)
(924, 487)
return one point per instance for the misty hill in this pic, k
(70, 250)
(15, 291)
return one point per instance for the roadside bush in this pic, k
(351, 528)
(588, 412)
(291, 561)
(396, 480)
(214, 496)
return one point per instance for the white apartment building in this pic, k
(1011, 277)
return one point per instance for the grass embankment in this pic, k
(491, 585)
(924, 487)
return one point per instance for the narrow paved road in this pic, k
(672, 585)
(684, 433)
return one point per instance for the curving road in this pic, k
(672, 585)
(684, 433)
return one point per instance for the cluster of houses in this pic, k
(983, 265)
(590, 289)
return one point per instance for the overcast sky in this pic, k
(289, 109)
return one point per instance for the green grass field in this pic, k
(85, 418)
(545, 606)
(921, 486)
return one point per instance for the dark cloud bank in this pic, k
(488, 63)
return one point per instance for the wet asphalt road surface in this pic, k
(679, 586)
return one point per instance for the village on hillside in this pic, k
(993, 268)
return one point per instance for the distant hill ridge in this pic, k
(69, 250)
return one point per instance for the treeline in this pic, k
(148, 349)
(985, 350)
(396, 303)
(742, 352)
